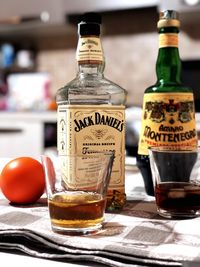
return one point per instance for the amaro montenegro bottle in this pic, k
(91, 109)
(168, 117)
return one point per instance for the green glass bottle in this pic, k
(168, 117)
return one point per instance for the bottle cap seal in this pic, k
(168, 18)
(89, 24)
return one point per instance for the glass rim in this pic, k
(90, 154)
(185, 149)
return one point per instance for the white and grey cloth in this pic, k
(137, 236)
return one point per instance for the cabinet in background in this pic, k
(26, 134)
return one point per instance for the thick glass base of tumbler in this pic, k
(76, 231)
(178, 214)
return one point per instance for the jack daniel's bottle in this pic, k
(168, 117)
(91, 109)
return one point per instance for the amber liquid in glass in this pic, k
(179, 196)
(76, 210)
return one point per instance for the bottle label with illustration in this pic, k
(168, 119)
(168, 40)
(84, 129)
(89, 49)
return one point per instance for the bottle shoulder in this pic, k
(113, 86)
(93, 83)
(168, 88)
(92, 87)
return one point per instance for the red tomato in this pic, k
(22, 180)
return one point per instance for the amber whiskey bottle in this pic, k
(168, 117)
(91, 109)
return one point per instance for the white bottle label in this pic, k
(84, 129)
(89, 49)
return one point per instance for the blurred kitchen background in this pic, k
(38, 42)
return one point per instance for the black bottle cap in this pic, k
(89, 24)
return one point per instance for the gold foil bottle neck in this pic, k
(168, 18)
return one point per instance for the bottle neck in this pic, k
(90, 69)
(90, 56)
(168, 65)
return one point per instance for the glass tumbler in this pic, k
(176, 175)
(76, 187)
